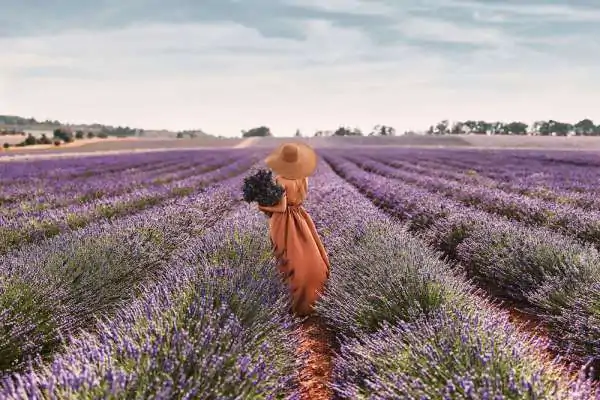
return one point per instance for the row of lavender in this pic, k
(98, 197)
(155, 288)
(56, 286)
(573, 173)
(565, 218)
(213, 324)
(406, 325)
(109, 178)
(549, 274)
(563, 180)
(483, 176)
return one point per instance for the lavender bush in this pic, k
(552, 273)
(182, 300)
(386, 276)
(56, 287)
(456, 353)
(516, 261)
(215, 327)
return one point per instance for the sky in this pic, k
(227, 65)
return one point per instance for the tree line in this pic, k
(16, 121)
(585, 127)
(58, 136)
(378, 130)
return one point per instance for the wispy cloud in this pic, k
(446, 31)
(225, 65)
(357, 7)
(556, 11)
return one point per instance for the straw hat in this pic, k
(293, 160)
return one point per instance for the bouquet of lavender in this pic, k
(262, 188)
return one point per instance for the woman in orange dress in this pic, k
(302, 259)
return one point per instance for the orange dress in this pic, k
(301, 256)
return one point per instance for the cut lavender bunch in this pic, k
(262, 188)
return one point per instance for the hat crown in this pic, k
(289, 153)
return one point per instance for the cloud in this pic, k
(444, 31)
(568, 11)
(308, 65)
(359, 7)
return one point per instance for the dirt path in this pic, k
(315, 344)
(246, 143)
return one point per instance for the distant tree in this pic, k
(102, 135)
(90, 135)
(57, 143)
(261, 131)
(457, 128)
(44, 139)
(469, 126)
(562, 128)
(515, 128)
(179, 135)
(552, 128)
(120, 131)
(343, 131)
(585, 127)
(382, 130)
(298, 134)
(497, 128)
(441, 128)
(31, 140)
(541, 128)
(63, 135)
(482, 128)
(6, 145)
(79, 135)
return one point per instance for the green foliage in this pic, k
(24, 305)
(263, 131)
(63, 135)
(14, 120)
(584, 127)
(343, 131)
(30, 140)
(44, 139)
(386, 276)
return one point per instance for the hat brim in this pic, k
(304, 166)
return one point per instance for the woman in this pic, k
(300, 253)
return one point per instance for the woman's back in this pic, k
(295, 189)
(302, 259)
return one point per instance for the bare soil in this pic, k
(315, 344)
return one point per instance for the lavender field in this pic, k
(145, 276)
